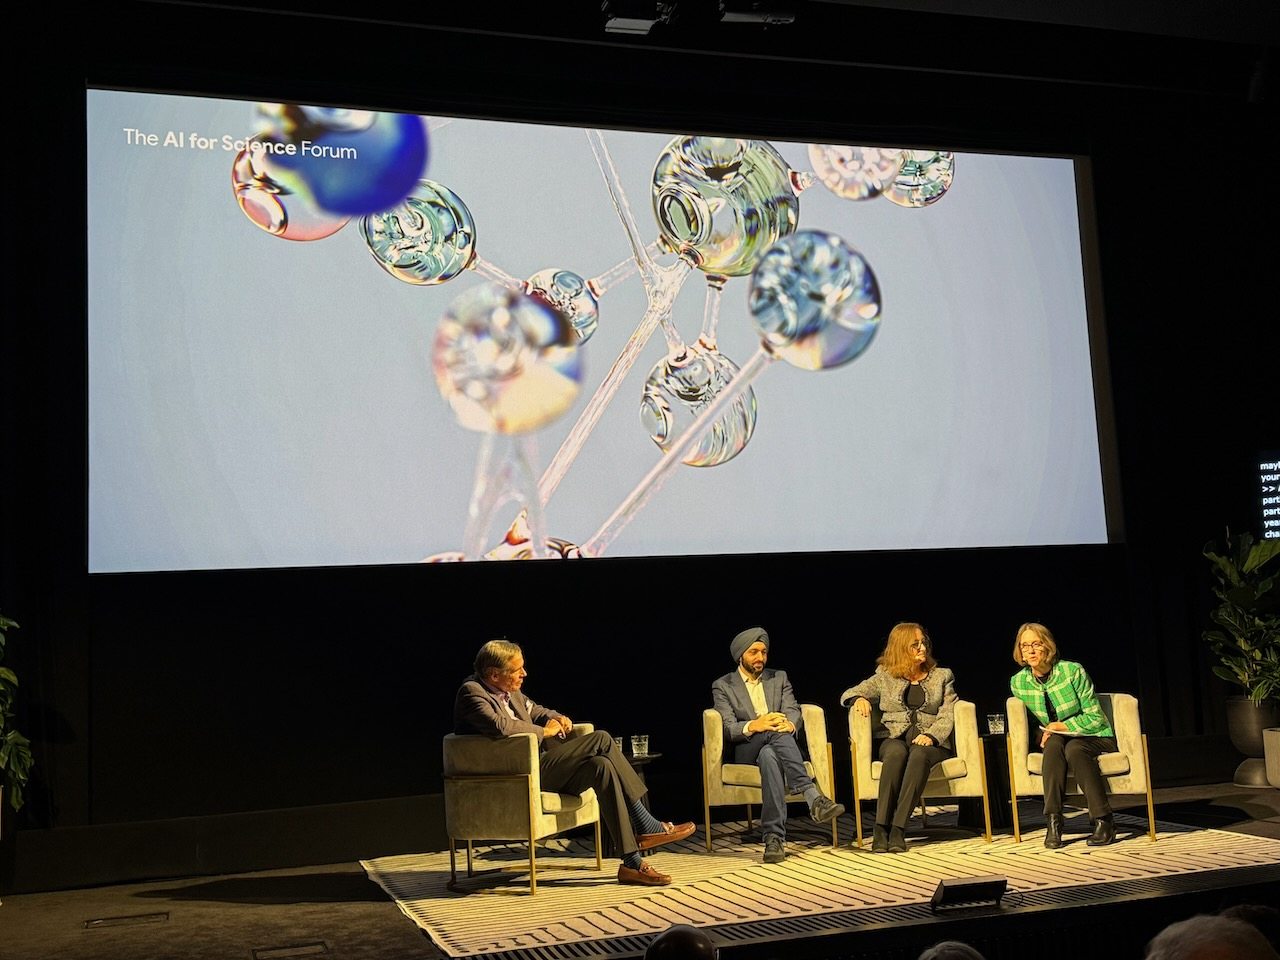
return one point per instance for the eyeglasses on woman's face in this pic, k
(1031, 645)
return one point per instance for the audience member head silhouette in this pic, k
(951, 950)
(681, 942)
(1208, 937)
(1266, 919)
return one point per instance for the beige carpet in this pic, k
(495, 913)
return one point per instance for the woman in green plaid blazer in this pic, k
(1074, 731)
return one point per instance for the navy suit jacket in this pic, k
(730, 698)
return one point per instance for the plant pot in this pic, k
(1271, 749)
(1245, 722)
(8, 843)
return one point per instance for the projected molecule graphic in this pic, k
(308, 170)
(507, 355)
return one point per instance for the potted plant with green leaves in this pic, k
(1246, 641)
(15, 749)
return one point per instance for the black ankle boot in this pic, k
(897, 840)
(879, 839)
(1104, 831)
(1053, 831)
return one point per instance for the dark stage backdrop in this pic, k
(189, 694)
(340, 684)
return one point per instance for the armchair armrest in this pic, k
(861, 738)
(1125, 723)
(1019, 731)
(965, 734)
(474, 755)
(1019, 737)
(713, 738)
(815, 735)
(859, 726)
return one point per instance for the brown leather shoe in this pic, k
(672, 833)
(646, 876)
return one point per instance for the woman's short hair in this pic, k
(1045, 636)
(495, 655)
(897, 660)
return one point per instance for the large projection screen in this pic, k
(256, 401)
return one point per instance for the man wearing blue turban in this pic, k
(761, 718)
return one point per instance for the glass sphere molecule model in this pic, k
(678, 388)
(506, 362)
(925, 176)
(427, 238)
(721, 202)
(506, 355)
(855, 173)
(815, 301)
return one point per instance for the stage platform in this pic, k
(1231, 855)
(842, 898)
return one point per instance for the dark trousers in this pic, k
(781, 766)
(594, 760)
(1080, 756)
(904, 769)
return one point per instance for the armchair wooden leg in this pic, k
(1151, 808)
(986, 797)
(1013, 793)
(857, 799)
(533, 830)
(835, 822)
(599, 852)
(706, 798)
(453, 863)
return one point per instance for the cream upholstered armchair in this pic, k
(964, 775)
(492, 791)
(1127, 771)
(725, 783)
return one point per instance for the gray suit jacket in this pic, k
(936, 717)
(729, 696)
(478, 710)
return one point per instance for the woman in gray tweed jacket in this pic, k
(917, 701)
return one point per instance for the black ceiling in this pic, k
(1216, 48)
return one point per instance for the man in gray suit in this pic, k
(761, 718)
(491, 702)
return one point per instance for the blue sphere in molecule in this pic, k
(353, 162)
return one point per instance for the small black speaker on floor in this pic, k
(970, 892)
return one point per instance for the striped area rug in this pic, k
(494, 913)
